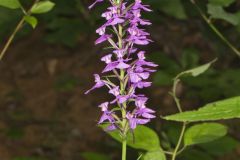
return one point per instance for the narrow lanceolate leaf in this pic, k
(203, 133)
(31, 20)
(198, 70)
(12, 4)
(218, 12)
(225, 109)
(154, 155)
(143, 138)
(42, 7)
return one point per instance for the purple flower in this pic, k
(115, 91)
(99, 83)
(134, 121)
(127, 69)
(103, 38)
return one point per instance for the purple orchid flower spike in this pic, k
(127, 70)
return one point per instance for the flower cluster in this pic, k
(127, 64)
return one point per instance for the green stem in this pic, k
(176, 99)
(177, 149)
(175, 153)
(217, 32)
(10, 39)
(124, 149)
(124, 121)
(124, 106)
(18, 27)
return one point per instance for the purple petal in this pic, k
(103, 38)
(107, 58)
(122, 65)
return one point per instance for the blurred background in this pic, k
(44, 114)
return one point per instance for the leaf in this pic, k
(154, 155)
(12, 4)
(224, 3)
(203, 133)
(144, 138)
(173, 8)
(162, 78)
(189, 58)
(225, 145)
(94, 156)
(31, 20)
(198, 70)
(218, 12)
(225, 109)
(42, 7)
(193, 154)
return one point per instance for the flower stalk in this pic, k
(123, 30)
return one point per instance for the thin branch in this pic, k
(217, 32)
(18, 27)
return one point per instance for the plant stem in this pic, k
(10, 39)
(18, 27)
(124, 149)
(177, 101)
(217, 32)
(124, 121)
(124, 105)
(179, 142)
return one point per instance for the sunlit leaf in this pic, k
(144, 138)
(218, 12)
(12, 4)
(224, 3)
(154, 155)
(203, 133)
(225, 109)
(31, 20)
(42, 7)
(198, 70)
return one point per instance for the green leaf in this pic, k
(193, 154)
(198, 70)
(42, 7)
(224, 3)
(174, 8)
(31, 20)
(162, 78)
(225, 145)
(218, 12)
(189, 58)
(144, 138)
(94, 156)
(154, 155)
(203, 133)
(12, 4)
(225, 109)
